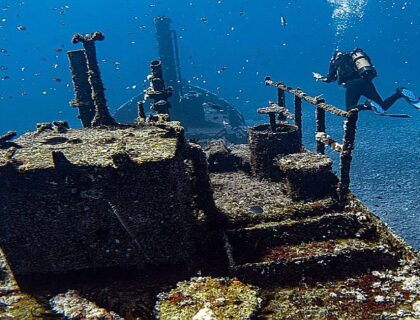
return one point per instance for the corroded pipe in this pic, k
(8, 136)
(141, 115)
(156, 69)
(297, 102)
(157, 90)
(82, 90)
(320, 128)
(326, 139)
(350, 127)
(102, 115)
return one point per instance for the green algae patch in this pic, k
(221, 298)
(23, 306)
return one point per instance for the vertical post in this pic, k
(82, 90)
(141, 116)
(298, 116)
(102, 115)
(272, 121)
(281, 101)
(281, 98)
(168, 54)
(346, 155)
(157, 90)
(178, 64)
(320, 127)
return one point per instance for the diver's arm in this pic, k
(332, 73)
(318, 77)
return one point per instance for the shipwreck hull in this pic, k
(107, 202)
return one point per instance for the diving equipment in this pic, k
(410, 97)
(363, 64)
(378, 110)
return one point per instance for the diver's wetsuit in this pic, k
(341, 69)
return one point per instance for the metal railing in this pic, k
(322, 138)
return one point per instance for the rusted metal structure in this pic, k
(269, 143)
(8, 136)
(82, 91)
(169, 55)
(102, 115)
(157, 90)
(203, 114)
(322, 138)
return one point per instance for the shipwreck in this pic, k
(132, 220)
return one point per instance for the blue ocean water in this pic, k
(228, 47)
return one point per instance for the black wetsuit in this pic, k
(342, 70)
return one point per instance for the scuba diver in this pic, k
(355, 71)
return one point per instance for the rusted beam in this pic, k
(8, 136)
(316, 101)
(329, 141)
(274, 109)
(284, 111)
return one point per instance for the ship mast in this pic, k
(169, 55)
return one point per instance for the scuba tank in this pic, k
(363, 64)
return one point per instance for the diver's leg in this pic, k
(353, 95)
(370, 92)
(388, 102)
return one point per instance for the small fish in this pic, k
(283, 21)
(6, 77)
(56, 79)
(221, 69)
(21, 28)
(203, 19)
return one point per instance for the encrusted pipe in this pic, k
(297, 101)
(8, 136)
(346, 156)
(320, 127)
(156, 69)
(281, 101)
(82, 90)
(141, 115)
(102, 115)
(326, 139)
(157, 90)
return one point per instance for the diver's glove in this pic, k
(318, 77)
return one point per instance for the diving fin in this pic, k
(410, 97)
(378, 110)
